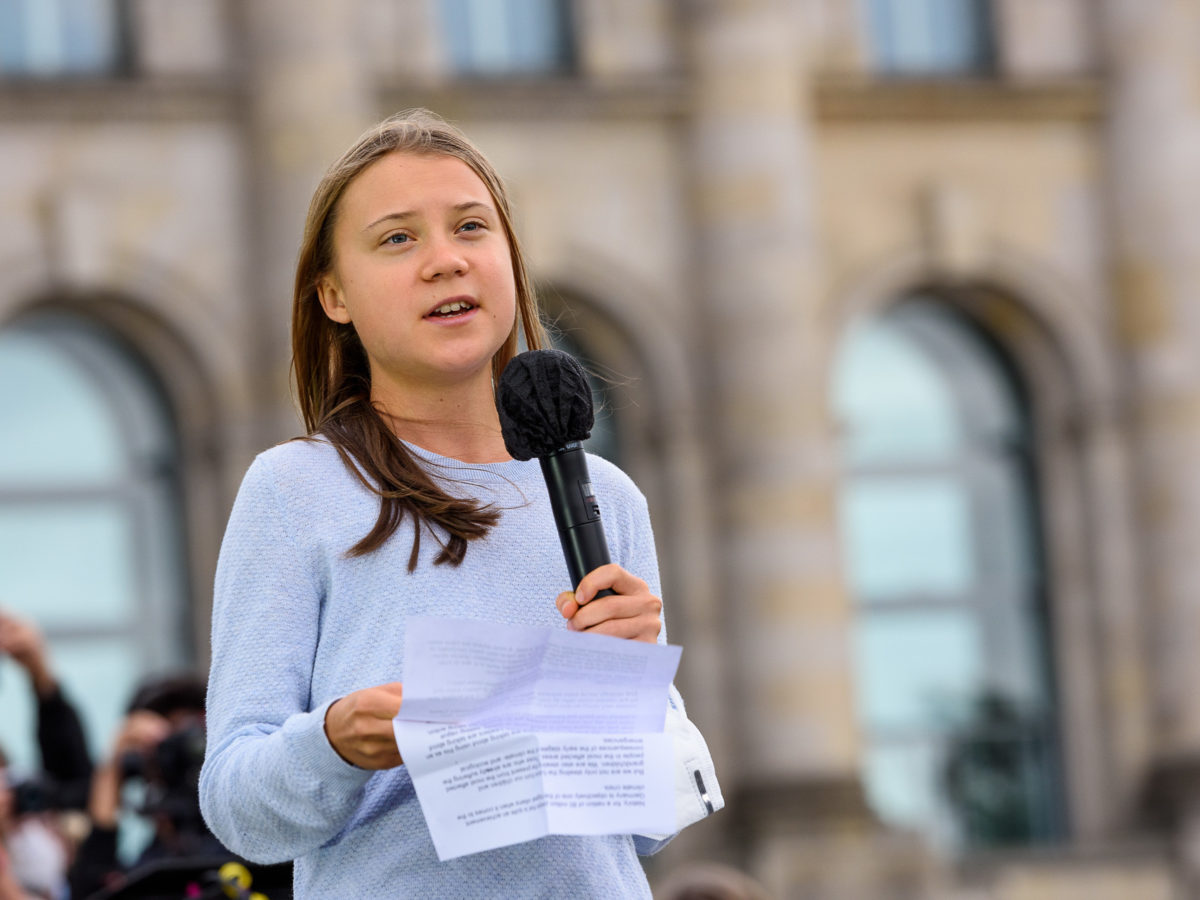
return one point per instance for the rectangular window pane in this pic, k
(12, 28)
(931, 37)
(69, 564)
(917, 670)
(1012, 628)
(46, 38)
(899, 779)
(499, 37)
(1005, 518)
(909, 536)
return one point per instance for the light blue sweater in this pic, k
(298, 624)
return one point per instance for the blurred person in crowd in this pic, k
(161, 743)
(66, 769)
(34, 847)
(10, 888)
(33, 853)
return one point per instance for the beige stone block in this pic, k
(1046, 38)
(1156, 505)
(823, 701)
(844, 39)
(849, 861)
(750, 196)
(623, 38)
(805, 505)
(1143, 317)
(952, 225)
(1086, 882)
(180, 37)
(1127, 694)
(815, 602)
(768, 416)
(1176, 413)
(755, 92)
(402, 40)
(1018, 184)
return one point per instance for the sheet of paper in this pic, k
(533, 679)
(511, 733)
(482, 788)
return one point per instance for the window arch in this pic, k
(90, 533)
(940, 524)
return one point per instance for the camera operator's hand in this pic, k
(140, 733)
(23, 642)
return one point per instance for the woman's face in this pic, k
(423, 270)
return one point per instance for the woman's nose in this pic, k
(444, 258)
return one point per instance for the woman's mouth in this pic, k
(452, 308)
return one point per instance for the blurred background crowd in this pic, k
(61, 831)
(894, 312)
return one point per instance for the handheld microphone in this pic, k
(545, 406)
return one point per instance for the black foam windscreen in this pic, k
(544, 401)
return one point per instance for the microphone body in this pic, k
(576, 512)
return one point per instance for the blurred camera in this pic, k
(44, 794)
(171, 772)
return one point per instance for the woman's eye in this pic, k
(471, 226)
(396, 239)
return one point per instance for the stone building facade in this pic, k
(718, 198)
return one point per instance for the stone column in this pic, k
(787, 612)
(307, 98)
(1154, 144)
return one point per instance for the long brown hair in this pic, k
(333, 379)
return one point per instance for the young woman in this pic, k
(410, 290)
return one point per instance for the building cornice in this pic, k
(117, 100)
(834, 99)
(543, 98)
(875, 100)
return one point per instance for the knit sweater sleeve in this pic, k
(271, 788)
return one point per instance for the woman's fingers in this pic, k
(612, 577)
(359, 726)
(636, 617)
(632, 612)
(567, 604)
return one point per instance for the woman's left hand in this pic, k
(631, 612)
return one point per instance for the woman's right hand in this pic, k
(359, 726)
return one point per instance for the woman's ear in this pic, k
(330, 294)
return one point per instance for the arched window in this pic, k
(939, 520)
(90, 536)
